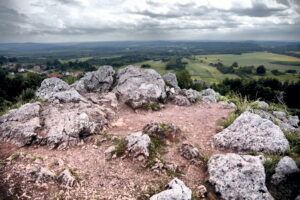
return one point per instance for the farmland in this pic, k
(200, 69)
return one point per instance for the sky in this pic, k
(113, 20)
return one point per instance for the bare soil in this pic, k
(117, 178)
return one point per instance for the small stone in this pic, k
(202, 191)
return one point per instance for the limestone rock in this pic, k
(175, 190)
(238, 177)
(180, 100)
(20, 125)
(209, 96)
(42, 174)
(66, 178)
(227, 105)
(192, 95)
(171, 80)
(141, 86)
(66, 97)
(250, 132)
(279, 114)
(201, 191)
(293, 120)
(189, 152)
(262, 105)
(51, 86)
(284, 167)
(109, 152)
(162, 131)
(97, 81)
(137, 145)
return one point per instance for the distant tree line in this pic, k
(19, 88)
(77, 65)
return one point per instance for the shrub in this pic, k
(26, 95)
(261, 70)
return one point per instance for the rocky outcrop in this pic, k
(51, 86)
(227, 105)
(250, 132)
(138, 86)
(171, 81)
(20, 126)
(286, 123)
(137, 145)
(209, 96)
(97, 81)
(285, 166)
(192, 95)
(180, 100)
(162, 131)
(175, 190)
(68, 96)
(238, 177)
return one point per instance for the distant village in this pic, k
(15, 68)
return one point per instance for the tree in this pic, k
(184, 79)
(235, 64)
(261, 70)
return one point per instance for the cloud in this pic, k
(87, 20)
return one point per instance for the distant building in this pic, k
(54, 75)
(11, 73)
(21, 70)
(75, 74)
(37, 68)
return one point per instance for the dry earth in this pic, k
(118, 178)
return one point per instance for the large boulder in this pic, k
(50, 86)
(171, 80)
(20, 126)
(285, 166)
(141, 86)
(238, 177)
(137, 145)
(97, 81)
(175, 190)
(66, 97)
(250, 132)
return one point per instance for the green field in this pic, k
(200, 69)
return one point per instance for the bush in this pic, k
(26, 95)
(261, 70)
(184, 79)
(291, 71)
(146, 66)
(276, 72)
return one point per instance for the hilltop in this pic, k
(127, 134)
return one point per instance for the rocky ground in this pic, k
(133, 134)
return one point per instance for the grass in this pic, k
(34, 158)
(151, 106)
(120, 147)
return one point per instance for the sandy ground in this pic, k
(118, 178)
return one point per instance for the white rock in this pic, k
(238, 177)
(250, 132)
(137, 145)
(284, 167)
(51, 86)
(262, 105)
(176, 190)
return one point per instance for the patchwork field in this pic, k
(200, 69)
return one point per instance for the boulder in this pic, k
(175, 190)
(280, 115)
(67, 96)
(180, 100)
(171, 81)
(250, 132)
(140, 86)
(137, 145)
(50, 86)
(192, 95)
(162, 131)
(293, 120)
(227, 105)
(20, 126)
(262, 105)
(209, 96)
(97, 81)
(66, 127)
(285, 166)
(238, 177)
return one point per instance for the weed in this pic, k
(98, 144)
(120, 147)
(151, 106)
(229, 120)
(74, 173)
(15, 156)
(270, 165)
(164, 127)
(34, 158)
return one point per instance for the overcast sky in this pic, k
(110, 20)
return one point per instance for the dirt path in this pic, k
(122, 178)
